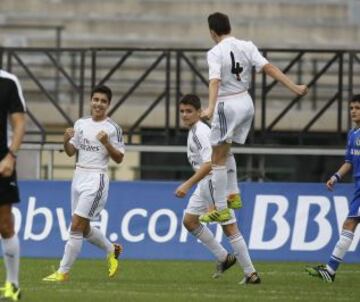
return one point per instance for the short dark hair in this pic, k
(191, 99)
(355, 98)
(102, 89)
(219, 23)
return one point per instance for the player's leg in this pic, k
(74, 244)
(92, 210)
(83, 196)
(219, 181)
(241, 253)
(72, 249)
(327, 273)
(202, 232)
(233, 193)
(343, 244)
(10, 240)
(93, 235)
(197, 205)
(240, 133)
(219, 174)
(11, 251)
(112, 250)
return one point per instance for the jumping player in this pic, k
(230, 63)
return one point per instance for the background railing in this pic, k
(148, 84)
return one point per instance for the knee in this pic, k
(77, 228)
(231, 229)
(6, 228)
(190, 225)
(350, 224)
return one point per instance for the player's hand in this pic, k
(68, 134)
(7, 166)
(301, 90)
(207, 113)
(182, 190)
(103, 137)
(330, 184)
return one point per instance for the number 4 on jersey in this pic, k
(235, 67)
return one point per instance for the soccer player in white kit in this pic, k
(230, 64)
(199, 156)
(95, 138)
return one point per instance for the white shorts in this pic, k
(232, 120)
(89, 192)
(202, 198)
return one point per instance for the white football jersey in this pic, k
(198, 145)
(92, 153)
(231, 61)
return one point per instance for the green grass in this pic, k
(183, 281)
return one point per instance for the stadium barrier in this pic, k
(280, 221)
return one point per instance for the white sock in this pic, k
(339, 251)
(97, 238)
(232, 181)
(241, 253)
(219, 181)
(11, 252)
(208, 239)
(71, 252)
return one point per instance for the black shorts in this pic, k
(9, 192)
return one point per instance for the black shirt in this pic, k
(11, 101)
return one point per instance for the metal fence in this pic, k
(153, 80)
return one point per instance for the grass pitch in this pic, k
(183, 281)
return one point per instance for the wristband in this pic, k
(12, 153)
(336, 177)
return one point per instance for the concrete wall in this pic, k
(164, 23)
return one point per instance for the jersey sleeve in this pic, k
(116, 138)
(75, 140)
(202, 142)
(256, 57)
(214, 62)
(17, 101)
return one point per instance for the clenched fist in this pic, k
(103, 137)
(68, 134)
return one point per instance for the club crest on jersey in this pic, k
(357, 142)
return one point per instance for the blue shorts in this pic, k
(354, 211)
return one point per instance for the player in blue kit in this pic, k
(352, 162)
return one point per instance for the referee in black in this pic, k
(12, 112)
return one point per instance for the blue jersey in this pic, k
(352, 155)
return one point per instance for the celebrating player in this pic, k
(199, 156)
(230, 63)
(352, 162)
(95, 138)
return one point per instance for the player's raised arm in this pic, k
(114, 153)
(68, 147)
(278, 75)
